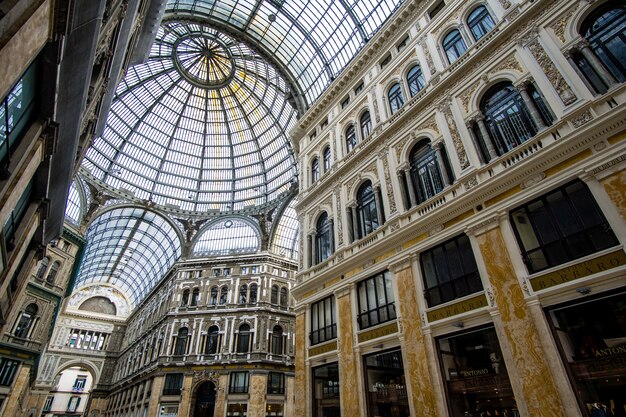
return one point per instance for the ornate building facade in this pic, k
(462, 213)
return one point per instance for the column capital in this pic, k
(402, 264)
(343, 291)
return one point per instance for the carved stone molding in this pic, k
(563, 89)
(456, 138)
(560, 25)
(582, 119)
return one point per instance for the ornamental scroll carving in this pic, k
(429, 59)
(559, 26)
(456, 137)
(372, 94)
(301, 223)
(428, 124)
(509, 63)
(337, 191)
(467, 95)
(388, 184)
(582, 119)
(566, 94)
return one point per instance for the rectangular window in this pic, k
(345, 102)
(386, 385)
(79, 383)
(436, 9)
(449, 271)
(8, 369)
(244, 270)
(359, 87)
(326, 390)
(47, 405)
(237, 410)
(475, 375)
(323, 321)
(168, 410)
(403, 43)
(173, 384)
(386, 60)
(72, 404)
(238, 382)
(17, 214)
(324, 123)
(254, 269)
(274, 410)
(276, 383)
(376, 300)
(561, 226)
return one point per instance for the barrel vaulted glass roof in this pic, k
(312, 39)
(201, 126)
(130, 248)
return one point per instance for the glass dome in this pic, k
(202, 126)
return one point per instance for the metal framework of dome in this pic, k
(202, 126)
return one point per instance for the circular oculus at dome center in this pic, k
(203, 60)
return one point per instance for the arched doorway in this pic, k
(205, 400)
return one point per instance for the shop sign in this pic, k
(451, 310)
(378, 332)
(318, 350)
(579, 270)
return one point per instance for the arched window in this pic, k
(253, 293)
(415, 80)
(315, 170)
(243, 294)
(396, 100)
(212, 340)
(213, 296)
(454, 45)
(195, 297)
(350, 138)
(185, 298)
(605, 30)
(180, 348)
(277, 341)
(52, 274)
(323, 247)
(327, 159)
(224, 295)
(283, 297)
(366, 209)
(480, 22)
(25, 322)
(366, 124)
(43, 266)
(274, 295)
(425, 174)
(507, 118)
(243, 339)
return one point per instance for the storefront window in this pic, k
(592, 339)
(386, 386)
(237, 410)
(326, 391)
(477, 383)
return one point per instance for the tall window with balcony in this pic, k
(315, 170)
(395, 97)
(43, 267)
(367, 210)
(276, 383)
(243, 294)
(243, 338)
(24, 325)
(180, 347)
(276, 341)
(323, 321)
(323, 247)
(212, 340)
(195, 296)
(415, 80)
(184, 301)
(426, 175)
(54, 270)
(284, 297)
(224, 294)
(274, 295)
(376, 300)
(173, 384)
(350, 138)
(213, 296)
(8, 369)
(366, 124)
(253, 293)
(327, 159)
(561, 226)
(238, 382)
(449, 271)
(454, 45)
(480, 22)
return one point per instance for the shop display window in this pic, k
(476, 380)
(326, 391)
(237, 410)
(591, 336)
(386, 387)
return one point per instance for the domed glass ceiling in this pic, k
(201, 126)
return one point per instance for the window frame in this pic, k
(323, 318)
(453, 45)
(480, 18)
(376, 304)
(235, 386)
(395, 97)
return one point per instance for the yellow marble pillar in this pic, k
(155, 392)
(301, 389)
(258, 389)
(413, 344)
(289, 394)
(185, 397)
(348, 377)
(14, 405)
(615, 186)
(540, 394)
(220, 399)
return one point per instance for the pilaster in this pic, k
(349, 394)
(258, 388)
(301, 377)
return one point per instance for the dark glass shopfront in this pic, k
(386, 386)
(326, 391)
(591, 336)
(476, 380)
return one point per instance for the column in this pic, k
(610, 195)
(404, 192)
(379, 205)
(309, 243)
(220, 397)
(302, 391)
(442, 168)
(596, 64)
(532, 379)
(155, 393)
(355, 220)
(414, 351)
(348, 360)
(185, 396)
(20, 384)
(312, 242)
(331, 226)
(482, 127)
(530, 105)
(410, 185)
(350, 228)
(258, 389)
(470, 129)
